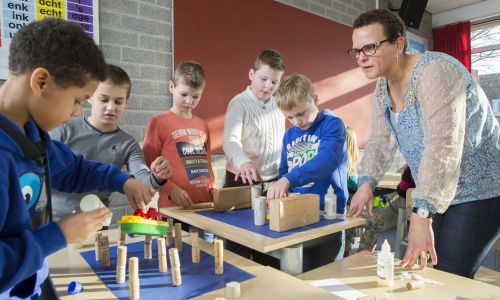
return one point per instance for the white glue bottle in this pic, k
(385, 266)
(330, 204)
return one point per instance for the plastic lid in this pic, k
(90, 203)
(74, 287)
(386, 247)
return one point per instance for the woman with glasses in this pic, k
(430, 108)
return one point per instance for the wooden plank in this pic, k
(232, 198)
(293, 212)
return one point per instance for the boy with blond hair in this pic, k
(54, 66)
(99, 138)
(184, 140)
(313, 157)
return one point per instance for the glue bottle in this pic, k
(330, 204)
(385, 266)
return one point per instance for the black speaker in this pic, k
(412, 11)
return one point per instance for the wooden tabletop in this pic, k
(273, 284)
(359, 272)
(254, 240)
(390, 180)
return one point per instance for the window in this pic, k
(485, 43)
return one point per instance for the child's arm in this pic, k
(280, 187)
(72, 173)
(160, 169)
(232, 145)
(22, 249)
(80, 226)
(136, 164)
(181, 197)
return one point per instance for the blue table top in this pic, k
(243, 218)
(197, 279)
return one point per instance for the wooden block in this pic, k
(232, 198)
(293, 212)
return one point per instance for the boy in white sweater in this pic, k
(253, 133)
(254, 126)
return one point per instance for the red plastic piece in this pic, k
(152, 214)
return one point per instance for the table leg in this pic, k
(291, 259)
(400, 229)
(497, 260)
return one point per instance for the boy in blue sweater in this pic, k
(313, 157)
(54, 67)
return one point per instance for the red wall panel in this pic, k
(225, 36)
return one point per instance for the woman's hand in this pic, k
(420, 241)
(363, 196)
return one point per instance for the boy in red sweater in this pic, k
(184, 140)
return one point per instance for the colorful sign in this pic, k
(18, 13)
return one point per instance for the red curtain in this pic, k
(455, 41)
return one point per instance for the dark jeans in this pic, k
(464, 234)
(230, 182)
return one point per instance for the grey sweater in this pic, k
(116, 147)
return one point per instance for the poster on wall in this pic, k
(416, 44)
(18, 13)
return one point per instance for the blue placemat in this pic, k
(197, 279)
(243, 218)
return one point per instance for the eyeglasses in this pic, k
(368, 50)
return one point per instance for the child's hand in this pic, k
(363, 196)
(181, 197)
(138, 194)
(278, 189)
(80, 226)
(247, 172)
(161, 168)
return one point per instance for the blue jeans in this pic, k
(464, 234)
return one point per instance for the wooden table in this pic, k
(359, 272)
(390, 180)
(68, 265)
(273, 284)
(287, 248)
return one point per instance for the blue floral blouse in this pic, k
(446, 132)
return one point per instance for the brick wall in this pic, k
(137, 36)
